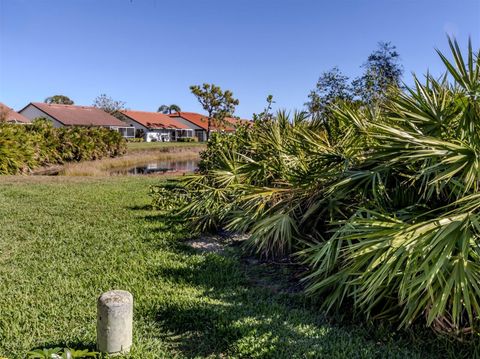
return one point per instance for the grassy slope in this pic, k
(64, 241)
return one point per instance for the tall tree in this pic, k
(109, 105)
(168, 109)
(217, 103)
(266, 114)
(382, 72)
(332, 86)
(314, 104)
(59, 99)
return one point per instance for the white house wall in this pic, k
(136, 125)
(149, 134)
(192, 126)
(31, 112)
(158, 135)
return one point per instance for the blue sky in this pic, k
(148, 52)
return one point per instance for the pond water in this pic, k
(159, 167)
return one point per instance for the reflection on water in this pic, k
(160, 167)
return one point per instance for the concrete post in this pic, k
(114, 322)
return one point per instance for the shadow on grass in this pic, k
(228, 307)
(229, 318)
(167, 218)
(232, 318)
(145, 207)
(149, 214)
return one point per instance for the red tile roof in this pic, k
(202, 121)
(11, 115)
(71, 115)
(195, 118)
(155, 120)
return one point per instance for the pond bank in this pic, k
(136, 156)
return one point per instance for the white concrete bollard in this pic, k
(114, 322)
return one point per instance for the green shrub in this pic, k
(386, 215)
(221, 143)
(136, 139)
(187, 139)
(17, 149)
(25, 147)
(168, 196)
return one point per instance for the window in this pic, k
(125, 131)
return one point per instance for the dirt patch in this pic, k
(278, 276)
(206, 244)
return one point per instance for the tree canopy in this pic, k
(331, 86)
(168, 109)
(266, 114)
(217, 103)
(109, 105)
(59, 99)
(382, 71)
(382, 74)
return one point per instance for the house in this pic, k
(156, 126)
(9, 115)
(72, 115)
(199, 123)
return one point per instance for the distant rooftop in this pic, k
(155, 120)
(73, 115)
(202, 121)
(11, 115)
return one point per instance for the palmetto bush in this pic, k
(386, 214)
(23, 148)
(17, 152)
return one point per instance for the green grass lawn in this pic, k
(146, 146)
(64, 241)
